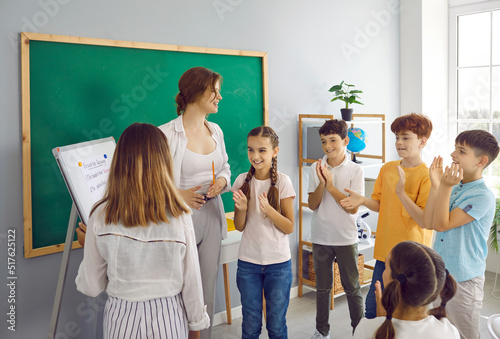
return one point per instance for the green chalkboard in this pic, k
(81, 89)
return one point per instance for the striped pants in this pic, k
(156, 318)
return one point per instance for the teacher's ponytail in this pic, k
(181, 103)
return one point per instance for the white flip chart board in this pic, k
(85, 169)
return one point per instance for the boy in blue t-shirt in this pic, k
(461, 208)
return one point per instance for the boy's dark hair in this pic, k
(334, 126)
(413, 122)
(482, 142)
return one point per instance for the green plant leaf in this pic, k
(351, 99)
(343, 92)
(494, 228)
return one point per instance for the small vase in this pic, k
(346, 114)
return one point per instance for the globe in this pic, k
(357, 141)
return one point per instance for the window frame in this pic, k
(454, 13)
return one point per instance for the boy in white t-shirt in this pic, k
(334, 232)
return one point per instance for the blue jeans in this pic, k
(371, 303)
(276, 281)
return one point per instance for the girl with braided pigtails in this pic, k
(263, 201)
(413, 279)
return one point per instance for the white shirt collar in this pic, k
(343, 163)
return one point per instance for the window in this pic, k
(475, 70)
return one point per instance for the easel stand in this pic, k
(62, 272)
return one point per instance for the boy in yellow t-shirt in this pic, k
(400, 218)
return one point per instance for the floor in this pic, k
(302, 312)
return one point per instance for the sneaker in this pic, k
(318, 335)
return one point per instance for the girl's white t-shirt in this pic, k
(428, 328)
(263, 243)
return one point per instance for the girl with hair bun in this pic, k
(263, 211)
(198, 151)
(414, 277)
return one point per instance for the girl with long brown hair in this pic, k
(414, 277)
(264, 213)
(140, 245)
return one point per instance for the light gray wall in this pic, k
(311, 46)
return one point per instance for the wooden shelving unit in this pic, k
(357, 120)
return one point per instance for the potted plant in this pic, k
(494, 229)
(347, 94)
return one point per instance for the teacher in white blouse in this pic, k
(201, 169)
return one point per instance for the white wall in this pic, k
(310, 45)
(424, 67)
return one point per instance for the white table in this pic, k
(228, 253)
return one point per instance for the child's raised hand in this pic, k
(452, 175)
(319, 173)
(326, 175)
(378, 298)
(436, 171)
(240, 200)
(400, 186)
(353, 201)
(264, 203)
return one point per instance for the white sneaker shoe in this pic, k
(318, 335)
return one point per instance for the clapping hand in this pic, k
(240, 201)
(378, 298)
(436, 172)
(452, 175)
(400, 186)
(325, 173)
(353, 201)
(319, 173)
(264, 204)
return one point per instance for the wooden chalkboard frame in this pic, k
(29, 250)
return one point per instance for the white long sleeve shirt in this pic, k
(144, 263)
(177, 141)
